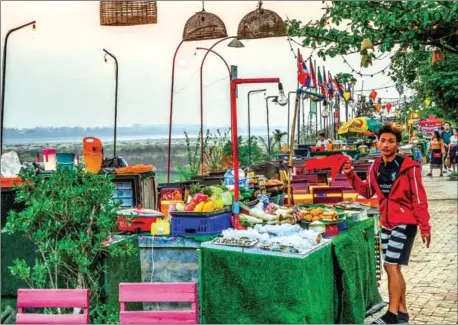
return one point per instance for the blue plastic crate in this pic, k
(122, 194)
(200, 226)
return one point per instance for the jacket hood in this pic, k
(406, 164)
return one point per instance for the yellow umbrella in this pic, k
(356, 125)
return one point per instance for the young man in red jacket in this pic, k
(403, 207)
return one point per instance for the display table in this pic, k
(356, 280)
(334, 284)
(244, 288)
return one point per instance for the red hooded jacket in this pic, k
(406, 203)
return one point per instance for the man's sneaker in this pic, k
(388, 318)
(403, 318)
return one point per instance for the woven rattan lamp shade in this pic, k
(261, 23)
(127, 13)
(204, 25)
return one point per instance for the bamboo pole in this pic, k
(291, 150)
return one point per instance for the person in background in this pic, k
(321, 141)
(452, 149)
(390, 177)
(437, 149)
(446, 134)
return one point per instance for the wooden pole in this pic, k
(291, 150)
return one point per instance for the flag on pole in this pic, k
(303, 75)
(313, 75)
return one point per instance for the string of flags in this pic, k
(318, 78)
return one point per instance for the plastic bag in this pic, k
(11, 166)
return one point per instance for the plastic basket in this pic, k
(200, 226)
(191, 214)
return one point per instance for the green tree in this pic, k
(438, 82)
(409, 24)
(69, 216)
(276, 139)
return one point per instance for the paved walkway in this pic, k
(431, 276)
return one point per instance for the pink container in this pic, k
(49, 158)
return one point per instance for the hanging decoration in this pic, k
(388, 107)
(378, 107)
(427, 101)
(366, 45)
(373, 95)
(437, 56)
(347, 95)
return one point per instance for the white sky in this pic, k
(56, 75)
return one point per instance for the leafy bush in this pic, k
(68, 215)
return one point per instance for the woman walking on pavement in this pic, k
(452, 149)
(437, 148)
(403, 207)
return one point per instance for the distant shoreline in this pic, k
(105, 139)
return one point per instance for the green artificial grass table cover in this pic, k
(335, 284)
(354, 256)
(242, 288)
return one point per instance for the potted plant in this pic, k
(453, 176)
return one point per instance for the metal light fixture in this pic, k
(261, 23)
(235, 43)
(281, 99)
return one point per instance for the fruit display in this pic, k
(208, 199)
(171, 195)
(318, 214)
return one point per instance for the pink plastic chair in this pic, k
(158, 292)
(52, 298)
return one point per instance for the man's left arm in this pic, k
(419, 200)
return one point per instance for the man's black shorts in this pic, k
(397, 243)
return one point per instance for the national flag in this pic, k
(335, 83)
(320, 82)
(330, 86)
(303, 75)
(312, 73)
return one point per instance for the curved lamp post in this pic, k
(289, 110)
(251, 92)
(5, 52)
(201, 26)
(236, 44)
(116, 98)
(275, 100)
(234, 137)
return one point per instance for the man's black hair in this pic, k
(388, 128)
(321, 134)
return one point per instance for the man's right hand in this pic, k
(346, 168)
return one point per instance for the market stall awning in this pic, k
(360, 125)
(431, 121)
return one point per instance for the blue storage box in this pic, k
(200, 226)
(123, 194)
(125, 203)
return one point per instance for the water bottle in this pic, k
(229, 179)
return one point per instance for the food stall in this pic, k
(429, 125)
(334, 283)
